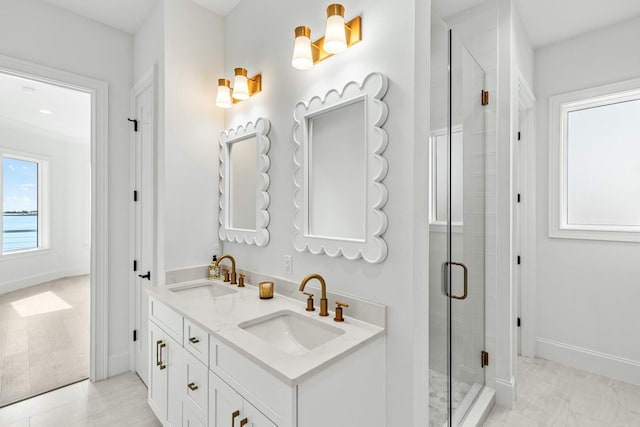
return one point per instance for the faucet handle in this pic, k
(241, 280)
(225, 276)
(339, 306)
(310, 306)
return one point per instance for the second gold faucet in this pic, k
(324, 310)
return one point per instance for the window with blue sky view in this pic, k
(19, 204)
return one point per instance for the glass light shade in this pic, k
(241, 85)
(302, 55)
(335, 38)
(223, 100)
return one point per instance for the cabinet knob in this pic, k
(194, 340)
(192, 386)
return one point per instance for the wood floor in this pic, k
(44, 337)
(118, 401)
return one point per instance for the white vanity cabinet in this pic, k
(165, 376)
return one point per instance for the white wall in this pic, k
(44, 34)
(67, 213)
(259, 36)
(588, 291)
(193, 61)
(185, 43)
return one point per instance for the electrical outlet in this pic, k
(287, 264)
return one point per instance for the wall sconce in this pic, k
(338, 37)
(243, 88)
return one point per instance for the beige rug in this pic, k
(44, 338)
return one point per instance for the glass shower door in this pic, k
(457, 229)
(464, 278)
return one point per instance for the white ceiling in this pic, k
(22, 100)
(129, 15)
(551, 21)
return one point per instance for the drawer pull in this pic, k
(194, 340)
(192, 386)
(233, 417)
(243, 422)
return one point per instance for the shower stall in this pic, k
(457, 223)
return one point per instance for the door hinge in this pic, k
(135, 335)
(519, 322)
(519, 136)
(485, 97)
(135, 124)
(518, 260)
(135, 265)
(135, 195)
(518, 197)
(484, 359)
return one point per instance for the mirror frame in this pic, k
(373, 248)
(259, 236)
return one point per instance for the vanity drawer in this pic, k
(196, 341)
(267, 393)
(196, 387)
(166, 318)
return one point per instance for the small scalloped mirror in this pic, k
(244, 182)
(339, 169)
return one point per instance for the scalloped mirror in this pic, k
(339, 168)
(244, 182)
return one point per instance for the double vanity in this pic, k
(223, 357)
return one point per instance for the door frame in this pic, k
(98, 90)
(148, 79)
(526, 164)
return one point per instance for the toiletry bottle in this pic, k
(213, 268)
(216, 270)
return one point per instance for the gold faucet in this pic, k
(233, 268)
(323, 301)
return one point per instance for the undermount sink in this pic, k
(203, 290)
(291, 332)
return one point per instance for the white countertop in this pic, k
(221, 316)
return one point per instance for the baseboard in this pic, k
(505, 392)
(118, 363)
(37, 279)
(596, 362)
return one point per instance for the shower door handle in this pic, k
(466, 281)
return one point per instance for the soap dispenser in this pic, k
(214, 269)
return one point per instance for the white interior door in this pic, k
(144, 254)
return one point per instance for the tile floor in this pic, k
(551, 394)
(44, 337)
(118, 401)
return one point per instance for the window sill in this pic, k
(10, 256)
(611, 235)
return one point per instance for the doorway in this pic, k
(45, 180)
(94, 212)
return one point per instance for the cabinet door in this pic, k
(195, 386)
(225, 405)
(174, 360)
(157, 395)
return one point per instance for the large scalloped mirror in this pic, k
(339, 168)
(244, 182)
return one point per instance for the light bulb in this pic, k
(223, 100)
(302, 55)
(335, 38)
(241, 85)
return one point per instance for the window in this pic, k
(595, 163)
(21, 201)
(439, 179)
